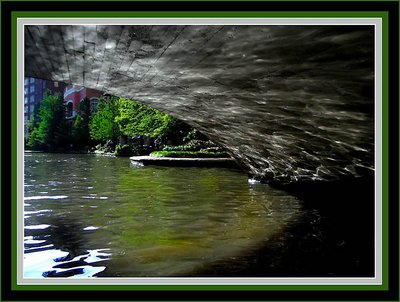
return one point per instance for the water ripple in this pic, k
(90, 228)
(37, 227)
(45, 197)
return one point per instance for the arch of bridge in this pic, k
(288, 102)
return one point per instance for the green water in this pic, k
(96, 216)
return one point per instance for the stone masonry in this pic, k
(288, 102)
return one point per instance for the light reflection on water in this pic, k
(103, 218)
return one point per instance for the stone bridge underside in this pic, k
(288, 102)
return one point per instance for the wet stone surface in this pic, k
(288, 102)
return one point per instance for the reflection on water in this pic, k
(91, 216)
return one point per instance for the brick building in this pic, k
(35, 90)
(73, 95)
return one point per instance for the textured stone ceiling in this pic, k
(288, 102)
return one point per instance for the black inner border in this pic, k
(392, 294)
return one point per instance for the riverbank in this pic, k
(184, 162)
(74, 152)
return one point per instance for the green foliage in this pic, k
(102, 124)
(49, 130)
(135, 119)
(32, 130)
(194, 145)
(84, 109)
(33, 140)
(122, 117)
(116, 119)
(80, 130)
(189, 154)
(194, 134)
(180, 148)
(35, 120)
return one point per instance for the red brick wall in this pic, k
(79, 94)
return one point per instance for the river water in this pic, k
(97, 216)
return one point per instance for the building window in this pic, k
(26, 100)
(93, 105)
(32, 80)
(26, 90)
(26, 109)
(32, 99)
(32, 88)
(26, 81)
(32, 108)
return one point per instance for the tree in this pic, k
(31, 138)
(102, 124)
(49, 128)
(80, 130)
(136, 119)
